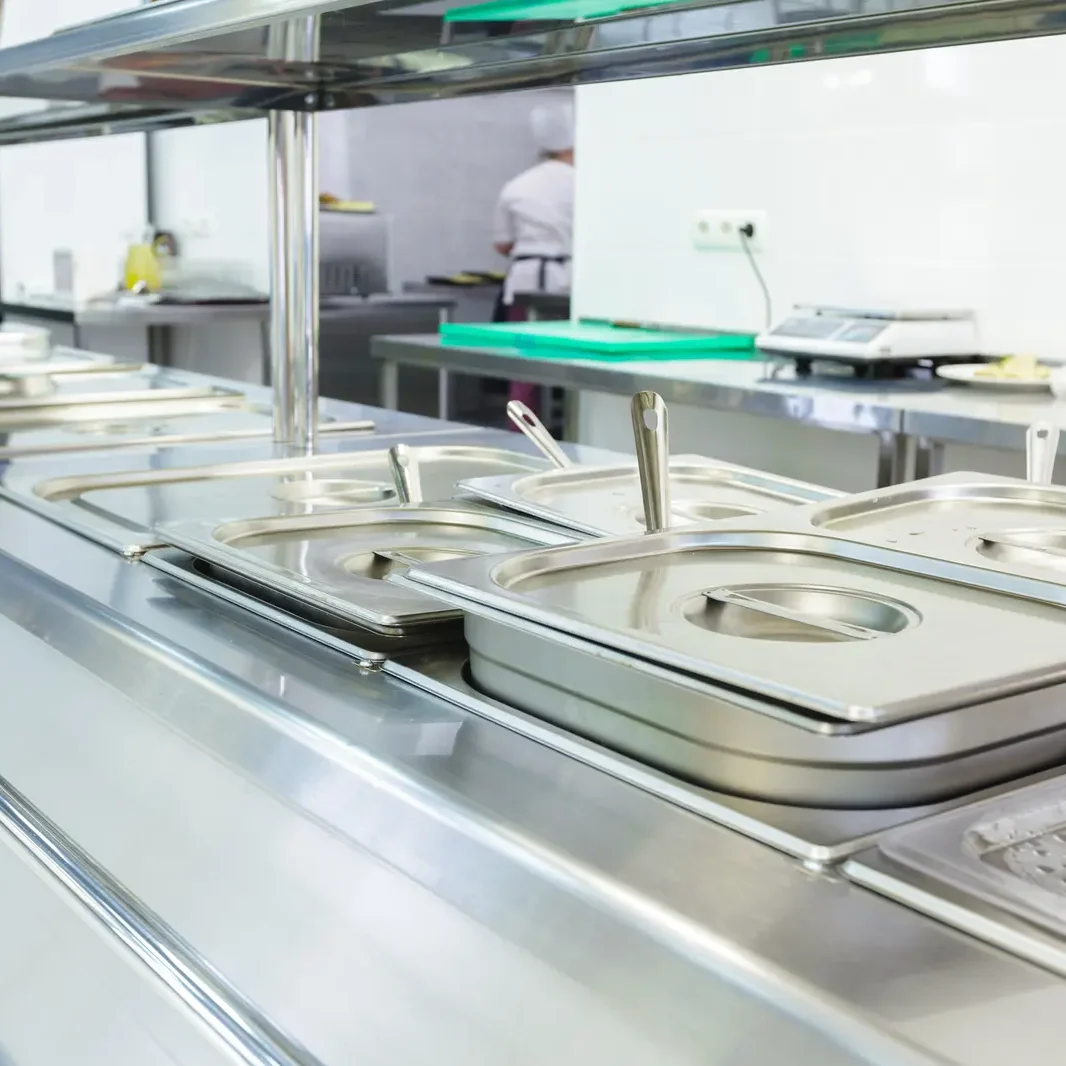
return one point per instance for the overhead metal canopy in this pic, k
(197, 55)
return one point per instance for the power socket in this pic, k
(716, 231)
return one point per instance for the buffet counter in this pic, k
(228, 834)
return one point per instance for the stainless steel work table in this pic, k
(929, 416)
(345, 869)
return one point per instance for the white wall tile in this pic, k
(924, 178)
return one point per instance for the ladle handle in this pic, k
(405, 475)
(653, 458)
(538, 433)
(1041, 447)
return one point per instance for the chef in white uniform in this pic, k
(535, 215)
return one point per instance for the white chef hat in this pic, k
(553, 127)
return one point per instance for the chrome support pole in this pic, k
(293, 162)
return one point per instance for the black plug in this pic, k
(747, 230)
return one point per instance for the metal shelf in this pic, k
(65, 122)
(209, 54)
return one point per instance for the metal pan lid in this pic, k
(341, 560)
(847, 630)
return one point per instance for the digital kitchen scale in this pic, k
(875, 343)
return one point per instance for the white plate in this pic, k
(966, 374)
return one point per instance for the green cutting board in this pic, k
(550, 10)
(594, 340)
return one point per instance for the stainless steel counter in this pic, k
(929, 415)
(302, 862)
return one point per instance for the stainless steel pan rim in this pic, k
(399, 609)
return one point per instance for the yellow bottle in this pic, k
(142, 267)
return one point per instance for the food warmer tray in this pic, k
(339, 562)
(135, 424)
(857, 680)
(126, 496)
(995, 869)
(816, 835)
(606, 501)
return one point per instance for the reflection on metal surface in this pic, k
(215, 54)
(221, 1007)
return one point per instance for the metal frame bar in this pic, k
(293, 185)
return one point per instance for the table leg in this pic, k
(891, 458)
(928, 457)
(571, 399)
(443, 398)
(390, 386)
(264, 351)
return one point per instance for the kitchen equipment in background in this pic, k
(142, 272)
(354, 251)
(876, 343)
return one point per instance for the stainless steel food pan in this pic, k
(135, 424)
(127, 495)
(995, 869)
(732, 742)
(59, 362)
(850, 632)
(339, 562)
(818, 834)
(606, 501)
(1004, 526)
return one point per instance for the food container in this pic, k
(782, 666)
(332, 568)
(606, 501)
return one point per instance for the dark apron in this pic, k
(502, 312)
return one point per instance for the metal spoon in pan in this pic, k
(538, 433)
(651, 438)
(404, 466)
(1041, 447)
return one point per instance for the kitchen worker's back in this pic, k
(535, 215)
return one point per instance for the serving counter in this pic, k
(246, 843)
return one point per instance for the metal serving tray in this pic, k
(995, 869)
(133, 424)
(539, 642)
(110, 389)
(852, 632)
(736, 743)
(339, 562)
(120, 499)
(606, 501)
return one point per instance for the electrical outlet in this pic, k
(714, 231)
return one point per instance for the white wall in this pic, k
(924, 179)
(210, 189)
(88, 196)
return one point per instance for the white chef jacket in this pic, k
(535, 213)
